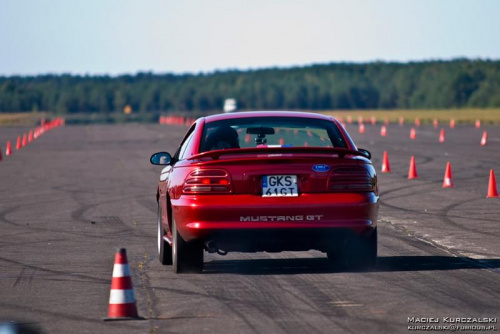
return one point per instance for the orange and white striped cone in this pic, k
(386, 168)
(361, 128)
(448, 182)
(383, 131)
(441, 136)
(478, 123)
(484, 138)
(452, 123)
(413, 134)
(8, 149)
(122, 304)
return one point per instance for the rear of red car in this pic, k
(273, 182)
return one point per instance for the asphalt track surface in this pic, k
(77, 193)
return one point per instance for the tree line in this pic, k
(377, 85)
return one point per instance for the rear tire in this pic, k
(187, 257)
(164, 249)
(356, 253)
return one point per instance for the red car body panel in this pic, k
(320, 206)
(197, 216)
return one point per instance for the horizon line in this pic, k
(251, 69)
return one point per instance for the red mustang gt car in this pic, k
(266, 181)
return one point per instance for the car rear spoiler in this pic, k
(216, 154)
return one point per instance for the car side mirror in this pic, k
(365, 153)
(161, 158)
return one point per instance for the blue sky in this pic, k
(125, 36)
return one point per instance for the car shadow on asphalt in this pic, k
(293, 266)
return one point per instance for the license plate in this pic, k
(279, 185)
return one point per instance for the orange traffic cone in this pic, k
(417, 122)
(374, 120)
(441, 136)
(448, 182)
(361, 128)
(18, 144)
(478, 124)
(30, 136)
(386, 168)
(435, 122)
(412, 173)
(492, 186)
(8, 149)
(484, 139)
(383, 131)
(413, 133)
(401, 121)
(122, 305)
(452, 123)
(25, 140)
(349, 119)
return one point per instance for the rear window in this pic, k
(270, 132)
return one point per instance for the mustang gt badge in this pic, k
(321, 168)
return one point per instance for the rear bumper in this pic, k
(308, 216)
(277, 240)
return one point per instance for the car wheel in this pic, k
(356, 253)
(187, 257)
(164, 249)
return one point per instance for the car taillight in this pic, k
(353, 179)
(207, 181)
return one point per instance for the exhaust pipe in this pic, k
(211, 247)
